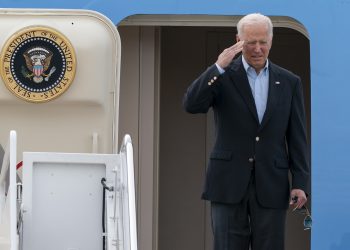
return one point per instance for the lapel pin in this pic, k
(277, 82)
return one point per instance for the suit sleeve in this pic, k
(297, 142)
(201, 94)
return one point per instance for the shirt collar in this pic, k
(247, 66)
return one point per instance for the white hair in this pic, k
(255, 18)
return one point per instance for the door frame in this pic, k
(148, 140)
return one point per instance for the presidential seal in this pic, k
(38, 64)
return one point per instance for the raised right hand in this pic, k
(228, 54)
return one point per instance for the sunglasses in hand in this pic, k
(307, 220)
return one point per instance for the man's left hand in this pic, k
(301, 198)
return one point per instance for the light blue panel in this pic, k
(327, 23)
(330, 126)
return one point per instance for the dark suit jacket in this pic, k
(274, 147)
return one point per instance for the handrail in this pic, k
(9, 164)
(127, 150)
(5, 163)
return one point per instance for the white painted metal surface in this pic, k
(121, 211)
(126, 154)
(8, 204)
(62, 200)
(62, 197)
(90, 105)
(62, 192)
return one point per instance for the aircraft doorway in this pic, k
(186, 140)
(171, 215)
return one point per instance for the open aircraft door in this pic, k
(59, 96)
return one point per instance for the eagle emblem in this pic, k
(38, 64)
(38, 61)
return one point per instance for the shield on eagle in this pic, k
(38, 61)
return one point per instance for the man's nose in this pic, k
(257, 47)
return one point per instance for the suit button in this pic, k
(215, 78)
(257, 138)
(212, 81)
(251, 159)
(209, 83)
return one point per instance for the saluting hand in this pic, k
(228, 54)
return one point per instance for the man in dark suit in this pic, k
(260, 137)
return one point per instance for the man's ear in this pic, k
(237, 38)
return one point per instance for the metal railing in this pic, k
(8, 193)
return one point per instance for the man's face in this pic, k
(257, 45)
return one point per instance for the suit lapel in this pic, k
(275, 91)
(240, 79)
